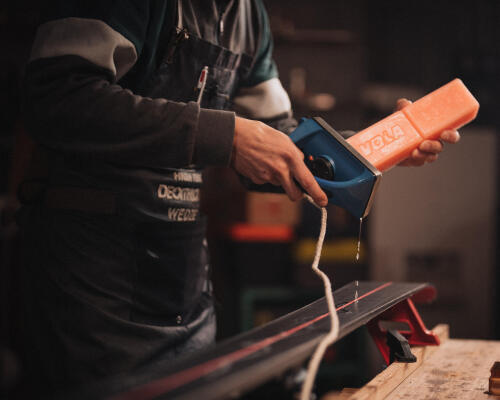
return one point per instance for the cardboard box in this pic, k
(272, 209)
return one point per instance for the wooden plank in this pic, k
(385, 382)
(459, 370)
(345, 394)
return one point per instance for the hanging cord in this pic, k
(332, 335)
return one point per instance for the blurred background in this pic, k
(348, 62)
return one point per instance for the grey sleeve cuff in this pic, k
(214, 137)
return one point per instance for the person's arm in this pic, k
(73, 103)
(267, 102)
(262, 151)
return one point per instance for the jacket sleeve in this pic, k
(262, 96)
(74, 104)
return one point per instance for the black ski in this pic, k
(245, 361)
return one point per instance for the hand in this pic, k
(266, 155)
(428, 150)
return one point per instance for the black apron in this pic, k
(119, 268)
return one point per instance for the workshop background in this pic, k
(348, 62)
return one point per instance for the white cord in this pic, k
(332, 335)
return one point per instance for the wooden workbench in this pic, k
(457, 369)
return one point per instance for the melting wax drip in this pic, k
(359, 239)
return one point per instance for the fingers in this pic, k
(282, 173)
(431, 158)
(291, 166)
(418, 158)
(291, 189)
(431, 146)
(428, 150)
(402, 103)
(450, 136)
(308, 183)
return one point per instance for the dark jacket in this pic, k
(118, 267)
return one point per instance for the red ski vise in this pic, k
(409, 324)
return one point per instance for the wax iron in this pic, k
(349, 170)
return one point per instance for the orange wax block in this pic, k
(392, 139)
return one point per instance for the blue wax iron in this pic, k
(346, 177)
